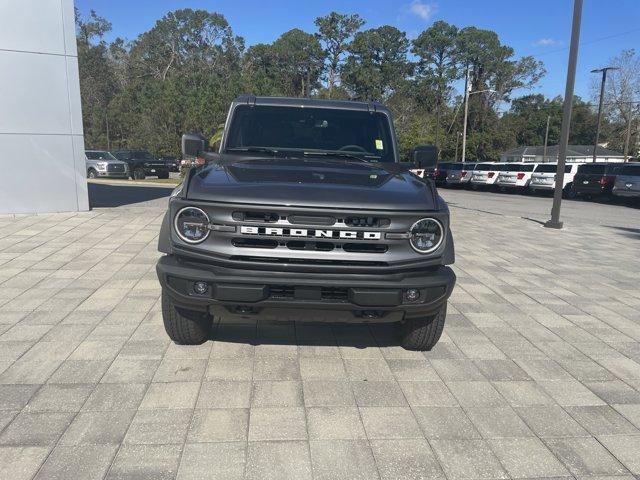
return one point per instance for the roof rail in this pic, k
(247, 98)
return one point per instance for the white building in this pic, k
(41, 142)
(575, 153)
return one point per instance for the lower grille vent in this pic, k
(254, 243)
(312, 246)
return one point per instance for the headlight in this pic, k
(101, 165)
(426, 235)
(192, 225)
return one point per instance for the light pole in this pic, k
(555, 222)
(604, 79)
(546, 140)
(466, 114)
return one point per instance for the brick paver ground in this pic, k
(537, 374)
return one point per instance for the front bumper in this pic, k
(113, 174)
(354, 298)
(626, 193)
(152, 171)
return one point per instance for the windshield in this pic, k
(142, 155)
(99, 155)
(551, 168)
(485, 167)
(355, 132)
(592, 169)
(630, 170)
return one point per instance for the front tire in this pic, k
(185, 327)
(92, 173)
(138, 174)
(423, 333)
(569, 193)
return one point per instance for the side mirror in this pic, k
(193, 144)
(425, 156)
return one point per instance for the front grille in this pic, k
(311, 239)
(115, 168)
(367, 222)
(335, 293)
(288, 292)
(281, 291)
(307, 261)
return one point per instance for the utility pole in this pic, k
(106, 117)
(604, 79)
(546, 140)
(627, 137)
(555, 222)
(466, 113)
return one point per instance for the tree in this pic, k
(437, 67)
(491, 66)
(377, 63)
(183, 41)
(299, 59)
(621, 96)
(97, 83)
(334, 32)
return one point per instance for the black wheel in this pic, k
(422, 333)
(92, 173)
(163, 175)
(138, 174)
(185, 327)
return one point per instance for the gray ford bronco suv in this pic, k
(306, 213)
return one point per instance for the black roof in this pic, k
(310, 102)
(572, 151)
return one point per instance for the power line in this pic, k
(588, 42)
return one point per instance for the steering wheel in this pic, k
(352, 147)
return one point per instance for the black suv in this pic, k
(306, 214)
(142, 164)
(596, 179)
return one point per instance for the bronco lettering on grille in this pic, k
(306, 232)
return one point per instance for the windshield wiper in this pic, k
(254, 149)
(361, 158)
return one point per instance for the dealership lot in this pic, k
(537, 374)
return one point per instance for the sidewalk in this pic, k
(537, 374)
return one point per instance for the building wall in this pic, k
(41, 141)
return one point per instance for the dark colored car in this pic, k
(172, 163)
(142, 164)
(306, 214)
(439, 174)
(627, 182)
(596, 179)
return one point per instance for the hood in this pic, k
(312, 182)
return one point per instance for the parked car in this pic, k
(172, 163)
(596, 179)
(627, 183)
(101, 164)
(142, 163)
(544, 178)
(265, 237)
(440, 173)
(486, 174)
(459, 173)
(515, 176)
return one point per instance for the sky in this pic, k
(541, 28)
